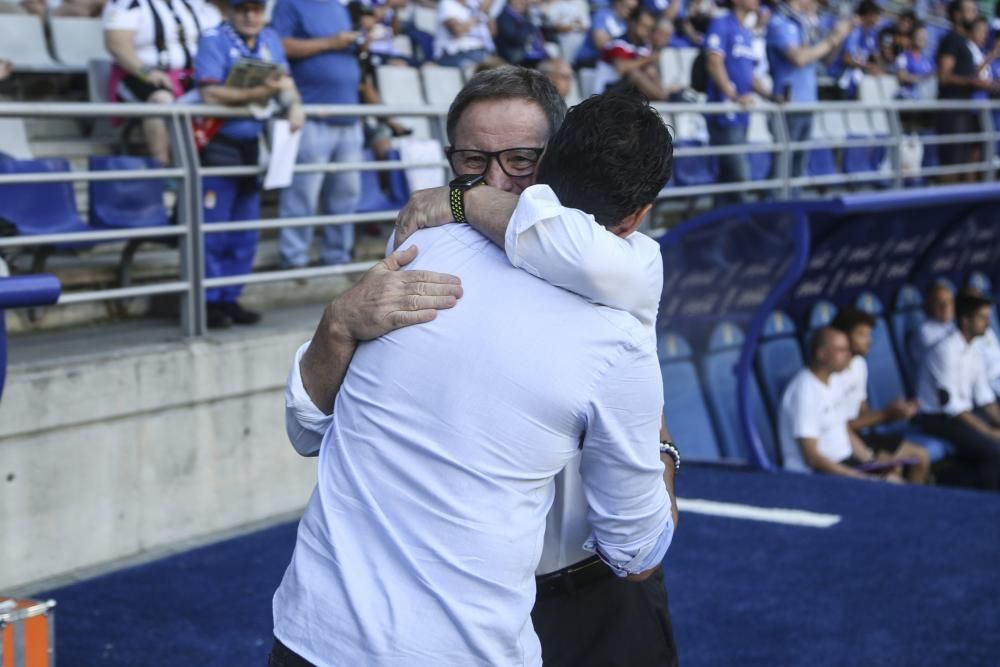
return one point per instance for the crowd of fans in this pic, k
(827, 425)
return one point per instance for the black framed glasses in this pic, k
(515, 162)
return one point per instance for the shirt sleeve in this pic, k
(628, 507)
(569, 249)
(121, 15)
(716, 39)
(210, 63)
(285, 20)
(305, 424)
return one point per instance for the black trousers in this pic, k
(610, 623)
(979, 449)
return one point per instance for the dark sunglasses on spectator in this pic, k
(515, 162)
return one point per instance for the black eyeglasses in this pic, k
(515, 162)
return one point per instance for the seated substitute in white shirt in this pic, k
(812, 425)
(419, 545)
(954, 383)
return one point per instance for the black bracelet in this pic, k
(668, 448)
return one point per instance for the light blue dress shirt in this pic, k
(420, 542)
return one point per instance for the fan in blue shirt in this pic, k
(729, 61)
(792, 53)
(243, 37)
(607, 24)
(912, 66)
(857, 57)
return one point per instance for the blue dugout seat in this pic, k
(127, 203)
(718, 368)
(694, 170)
(905, 321)
(683, 403)
(779, 358)
(821, 314)
(821, 162)
(39, 208)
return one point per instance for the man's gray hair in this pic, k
(505, 83)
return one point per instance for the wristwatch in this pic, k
(456, 197)
(670, 449)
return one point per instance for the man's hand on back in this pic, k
(426, 208)
(386, 298)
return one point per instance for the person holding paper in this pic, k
(242, 38)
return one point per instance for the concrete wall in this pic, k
(105, 457)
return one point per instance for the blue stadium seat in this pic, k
(779, 358)
(399, 187)
(126, 203)
(931, 156)
(373, 199)
(683, 404)
(39, 208)
(821, 162)
(694, 170)
(905, 322)
(760, 165)
(718, 370)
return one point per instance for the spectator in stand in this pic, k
(386, 25)
(889, 49)
(558, 71)
(793, 49)
(693, 22)
(984, 56)
(465, 32)
(812, 428)
(913, 67)
(630, 61)
(906, 22)
(955, 396)
(243, 36)
(153, 44)
(729, 62)
(663, 34)
(608, 24)
(569, 21)
(519, 38)
(322, 47)
(861, 419)
(959, 78)
(859, 54)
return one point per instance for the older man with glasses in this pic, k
(498, 127)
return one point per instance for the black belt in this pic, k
(572, 578)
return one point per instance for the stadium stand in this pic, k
(23, 42)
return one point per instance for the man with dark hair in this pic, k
(504, 169)
(858, 56)
(953, 384)
(857, 325)
(812, 428)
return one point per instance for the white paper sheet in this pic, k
(284, 150)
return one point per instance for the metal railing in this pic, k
(190, 229)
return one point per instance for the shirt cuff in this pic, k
(634, 559)
(304, 422)
(536, 204)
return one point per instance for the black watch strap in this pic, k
(456, 196)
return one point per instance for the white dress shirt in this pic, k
(567, 248)
(854, 387)
(953, 377)
(813, 409)
(420, 542)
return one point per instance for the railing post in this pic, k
(896, 147)
(990, 154)
(780, 131)
(193, 316)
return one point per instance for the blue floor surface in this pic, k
(908, 577)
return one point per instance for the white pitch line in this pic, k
(753, 513)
